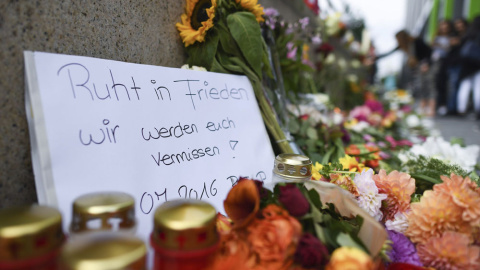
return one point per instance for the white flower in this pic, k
(342, 63)
(330, 59)
(321, 99)
(412, 121)
(437, 147)
(398, 224)
(369, 199)
(196, 68)
(337, 118)
(332, 23)
(361, 125)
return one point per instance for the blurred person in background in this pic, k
(453, 63)
(440, 49)
(470, 69)
(419, 55)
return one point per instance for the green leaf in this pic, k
(203, 54)
(345, 240)
(217, 67)
(227, 63)
(320, 233)
(312, 133)
(315, 157)
(327, 155)
(226, 40)
(314, 198)
(246, 32)
(293, 126)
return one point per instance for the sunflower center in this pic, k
(199, 13)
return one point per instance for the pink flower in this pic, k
(292, 51)
(361, 113)
(375, 106)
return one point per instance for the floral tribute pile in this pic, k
(282, 230)
(395, 180)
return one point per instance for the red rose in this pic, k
(293, 200)
(311, 253)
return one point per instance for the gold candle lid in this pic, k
(103, 207)
(29, 231)
(185, 225)
(104, 251)
(293, 166)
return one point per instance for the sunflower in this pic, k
(196, 20)
(254, 7)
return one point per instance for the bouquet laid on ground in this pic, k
(225, 36)
(293, 228)
(432, 221)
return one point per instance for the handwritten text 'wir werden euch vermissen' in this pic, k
(82, 87)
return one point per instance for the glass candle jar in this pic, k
(30, 237)
(104, 250)
(184, 235)
(108, 211)
(292, 168)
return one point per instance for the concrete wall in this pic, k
(138, 31)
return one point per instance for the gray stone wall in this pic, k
(138, 31)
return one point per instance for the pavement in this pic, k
(461, 127)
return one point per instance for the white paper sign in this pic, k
(156, 133)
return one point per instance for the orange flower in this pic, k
(450, 251)
(399, 188)
(465, 194)
(242, 202)
(433, 215)
(352, 150)
(224, 224)
(274, 238)
(344, 182)
(233, 253)
(349, 258)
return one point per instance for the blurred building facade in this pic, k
(422, 16)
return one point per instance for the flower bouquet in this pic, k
(435, 226)
(225, 36)
(297, 226)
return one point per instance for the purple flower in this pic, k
(271, 12)
(368, 138)
(289, 29)
(346, 136)
(402, 249)
(304, 22)
(316, 40)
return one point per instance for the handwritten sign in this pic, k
(156, 133)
